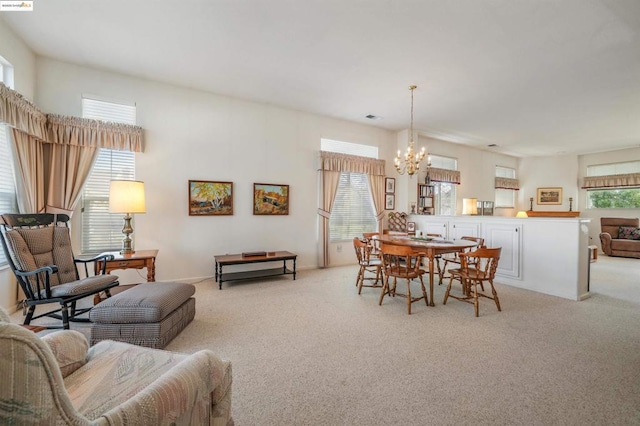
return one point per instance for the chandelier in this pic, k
(410, 164)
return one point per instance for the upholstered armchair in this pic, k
(59, 380)
(613, 242)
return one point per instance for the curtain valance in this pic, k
(444, 175)
(333, 161)
(611, 181)
(93, 133)
(507, 183)
(24, 116)
(20, 113)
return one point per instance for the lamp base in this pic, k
(127, 230)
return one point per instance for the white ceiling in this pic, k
(535, 77)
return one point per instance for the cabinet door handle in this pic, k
(516, 229)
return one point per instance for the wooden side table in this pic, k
(137, 260)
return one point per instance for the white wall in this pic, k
(14, 51)
(541, 172)
(196, 135)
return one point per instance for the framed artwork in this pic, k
(210, 198)
(411, 227)
(389, 202)
(549, 196)
(390, 185)
(270, 199)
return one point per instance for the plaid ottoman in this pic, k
(149, 314)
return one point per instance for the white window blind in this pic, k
(101, 230)
(8, 203)
(353, 212)
(613, 169)
(505, 197)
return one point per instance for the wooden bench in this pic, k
(239, 259)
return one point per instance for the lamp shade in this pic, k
(522, 214)
(126, 196)
(469, 206)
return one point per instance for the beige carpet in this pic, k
(313, 352)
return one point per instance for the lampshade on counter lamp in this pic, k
(522, 214)
(126, 196)
(469, 206)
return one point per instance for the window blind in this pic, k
(353, 212)
(8, 202)
(101, 230)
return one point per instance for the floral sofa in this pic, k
(59, 380)
(620, 236)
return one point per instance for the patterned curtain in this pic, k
(611, 181)
(507, 183)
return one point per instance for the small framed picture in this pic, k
(411, 227)
(549, 196)
(390, 185)
(389, 202)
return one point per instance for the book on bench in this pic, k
(254, 253)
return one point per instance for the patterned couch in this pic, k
(59, 380)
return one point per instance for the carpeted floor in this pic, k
(314, 352)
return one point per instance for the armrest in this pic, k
(104, 257)
(605, 242)
(47, 270)
(198, 378)
(69, 348)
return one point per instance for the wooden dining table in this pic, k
(429, 248)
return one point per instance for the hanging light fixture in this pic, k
(410, 164)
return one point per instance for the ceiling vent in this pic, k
(373, 117)
(492, 145)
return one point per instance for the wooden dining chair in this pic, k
(371, 239)
(370, 266)
(454, 258)
(476, 267)
(401, 262)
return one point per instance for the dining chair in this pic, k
(455, 259)
(368, 265)
(475, 268)
(371, 238)
(404, 263)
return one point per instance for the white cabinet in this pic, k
(459, 229)
(435, 227)
(509, 237)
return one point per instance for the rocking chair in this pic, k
(38, 250)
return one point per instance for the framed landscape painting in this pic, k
(270, 199)
(549, 196)
(210, 198)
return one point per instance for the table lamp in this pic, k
(126, 196)
(522, 214)
(469, 206)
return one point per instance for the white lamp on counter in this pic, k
(469, 206)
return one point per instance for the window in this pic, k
(8, 203)
(505, 197)
(445, 193)
(605, 195)
(353, 212)
(101, 230)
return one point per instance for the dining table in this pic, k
(429, 247)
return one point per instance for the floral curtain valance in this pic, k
(20, 113)
(333, 161)
(507, 183)
(611, 181)
(24, 116)
(94, 133)
(444, 175)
